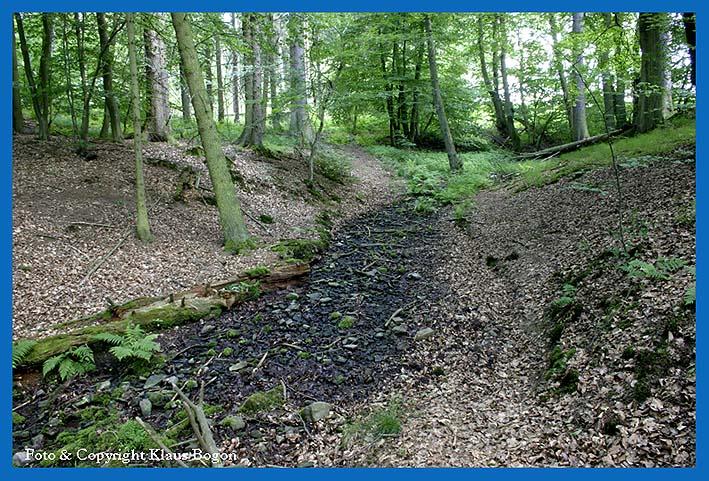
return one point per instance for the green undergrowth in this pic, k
(377, 424)
(427, 173)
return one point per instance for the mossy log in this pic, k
(560, 149)
(200, 302)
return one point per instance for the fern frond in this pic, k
(51, 363)
(672, 264)
(121, 352)
(110, 338)
(83, 354)
(690, 297)
(20, 350)
(67, 368)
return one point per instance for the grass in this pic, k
(380, 423)
(427, 173)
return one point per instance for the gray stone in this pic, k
(154, 380)
(38, 441)
(424, 333)
(238, 366)
(316, 411)
(146, 407)
(20, 459)
(234, 422)
(103, 386)
(325, 300)
(400, 330)
(351, 347)
(414, 275)
(207, 329)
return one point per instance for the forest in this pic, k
(302, 239)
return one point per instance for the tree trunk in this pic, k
(453, 160)
(559, 66)
(231, 218)
(220, 79)
(28, 69)
(580, 131)
(142, 226)
(690, 32)
(235, 76)
(158, 87)
(414, 129)
(81, 60)
(248, 81)
(209, 78)
(509, 114)
(389, 100)
(651, 87)
(67, 76)
(185, 96)
(300, 123)
(18, 119)
(494, 94)
(111, 103)
(607, 81)
(254, 135)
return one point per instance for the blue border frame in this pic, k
(8, 6)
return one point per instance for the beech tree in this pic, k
(236, 236)
(158, 85)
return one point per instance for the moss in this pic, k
(335, 315)
(240, 247)
(257, 272)
(228, 351)
(232, 333)
(266, 219)
(261, 401)
(245, 291)
(17, 418)
(304, 355)
(303, 250)
(346, 322)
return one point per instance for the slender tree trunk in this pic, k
(607, 80)
(509, 113)
(389, 101)
(453, 160)
(651, 86)
(111, 102)
(45, 75)
(300, 123)
(494, 94)
(580, 127)
(34, 92)
(159, 88)
(254, 136)
(248, 82)
(231, 218)
(185, 96)
(235, 75)
(690, 32)
(67, 76)
(105, 132)
(18, 119)
(621, 115)
(559, 66)
(209, 78)
(221, 113)
(142, 226)
(81, 61)
(414, 132)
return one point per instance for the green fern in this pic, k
(643, 270)
(670, 265)
(690, 297)
(20, 351)
(77, 360)
(133, 344)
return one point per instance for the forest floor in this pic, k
(522, 336)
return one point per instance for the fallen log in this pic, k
(204, 301)
(560, 149)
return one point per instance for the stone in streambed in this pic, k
(424, 333)
(316, 411)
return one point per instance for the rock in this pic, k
(103, 386)
(238, 366)
(38, 441)
(207, 329)
(159, 398)
(154, 380)
(414, 275)
(291, 296)
(400, 330)
(351, 347)
(146, 407)
(234, 422)
(325, 300)
(424, 333)
(171, 380)
(20, 459)
(314, 296)
(316, 411)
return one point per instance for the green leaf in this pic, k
(20, 350)
(110, 338)
(51, 363)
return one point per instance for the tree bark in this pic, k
(110, 98)
(509, 113)
(453, 160)
(651, 87)
(159, 88)
(690, 32)
(45, 75)
(494, 94)
(414, 128)
(247, 32)
(254, 135)
(580, 131)
(142, 226)
(221, 114)
(185, 96)
(28, 69)
(235, 76)
(559, 66)
(607, 81)
(300, 123)
(209, 78)
(231, 218)
(18, 119)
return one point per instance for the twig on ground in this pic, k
(158, 441)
